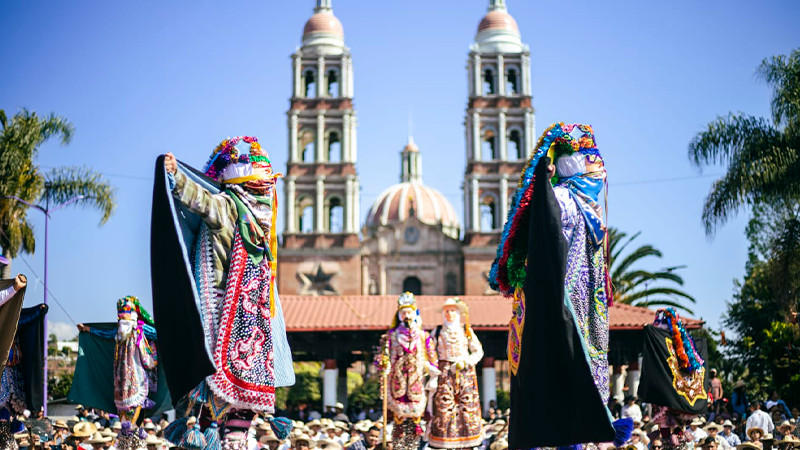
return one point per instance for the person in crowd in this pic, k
(407, 355)
(713, 430)
(153, 443)
(739, 399)
(775, 401)
(631, 409)
(303, 442)
(614, 407)
(60, 432)
(455, 405)
(786, 428)
(727, 433)
(755, 434)
(97, 441)
(759, 419)
(695, 431)
(269, 441)
(82, 432)
(708, 443)
(656, 444)
(638, 439)
(338, 412)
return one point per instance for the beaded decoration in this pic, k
(689, 360)
(226, 154)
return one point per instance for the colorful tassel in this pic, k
(281, 426)
(193, 439)
(212, 437)
(623, 430)
(174, 431)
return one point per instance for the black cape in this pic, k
(177, 320)
(656, 384)
(9, 316)
(554, 401)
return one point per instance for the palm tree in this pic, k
(633, 286)
(762, 157)
(20, 139)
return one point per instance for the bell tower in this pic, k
(321, 189)
(500, 135)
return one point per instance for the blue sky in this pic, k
(138, 79)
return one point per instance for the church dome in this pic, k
(498, 31)
(323, 22)
(498, 20)
(412, 198)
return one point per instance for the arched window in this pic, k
(335, 216)
(333, 82)
(305, 219)
(515, 147)
(488, 145)
(334, 147)
(450, 284)
(413, 285)
(489, 81)
(488, 213)
(512, 81)
(306, 145)
(309, 83)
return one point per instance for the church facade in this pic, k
(412, 239)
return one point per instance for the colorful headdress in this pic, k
(126, 306)
(508, 269)
(689, 358)
(226, 165)
(405, 301)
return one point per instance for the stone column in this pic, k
(501, 76)
(321, 153)
(346, 138)
(475, 208)
(489, 383)
(530, 134)
(382, 288)
(293, 153)
(632, 379)
(297, 68)
(291, 214)
(356, 204)
(476, 136)
(365, 277)
(501, 136)
(348, 205)
(617, 381)
(476, 75)
(319, 205)
(344, 74)
(503, 200)
(330, 375)
(322, 88)
(526, 74)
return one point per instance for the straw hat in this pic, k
(152, 440)
(341, 424)
(713, 425)
(748, 446)
(789, 439)
(108, 433)
(117, 426)
(750, 432)
(786, 424)
(98, 438)
(304, 437)
(727, 423)
(697, 422)
(61, 424)
(84, 429)
(500, 444)
(767, 437)
(339, 405)
(329, 444)
(314, 423)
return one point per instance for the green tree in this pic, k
(762, 156)
(20, 139)
(59, 387)
(638, 287)
(366, 394)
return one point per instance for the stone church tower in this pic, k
(500, 134)
(320, 252)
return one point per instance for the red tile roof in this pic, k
(375, 312)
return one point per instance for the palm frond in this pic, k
(663, 303)
(782, 73)
(633, 257)
(658, 291)
(65, 183)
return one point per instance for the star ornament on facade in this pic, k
(317, 282)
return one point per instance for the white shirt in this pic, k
(698, 434)
(760, 419)
(6, 294)
(632, 411)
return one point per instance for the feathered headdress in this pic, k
(508, 269)
(130, 304)
(226, 165)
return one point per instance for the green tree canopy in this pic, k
(762, 156)
(20, 139)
